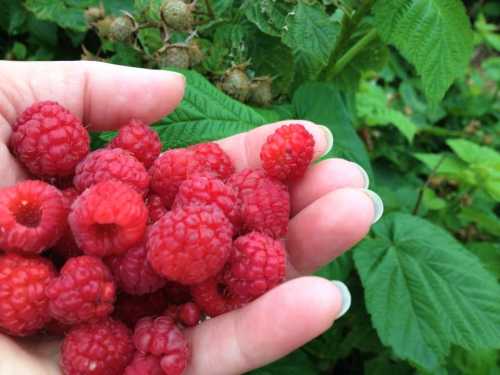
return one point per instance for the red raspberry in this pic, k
(108, 219)
(248, 180)
(257, 265)
(129, 308)
(105, 164)
(32, 217)
(49, 140)
(140, 140)
(133, 273)
(66, 247)
(190, 244)
(156, 208)
(101, 348)
(288, 152)
(144, 364)
(189, 314)
(84, 291)
(23, 304)
(204, 191)
(213, 158)
(162, 337)
(213, 297)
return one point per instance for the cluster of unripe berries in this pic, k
(120, 249)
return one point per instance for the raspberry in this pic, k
(140, 140)
(84, 291)
(161, 337)
(247, 180)
(257, 265)
(133, 273)
(213, 297)
(177, 15)
(288, 152)
(261, 92)
(105, 164)
(144, 364)
(49, 140)
(189, 314)
(190, 244)
(176, 56)
(129, 308)
(66, 247)
(23, 304)
(156, 208)
(32, 217)
(100, 348)
(236, 83)
(121, 29)
(212, 158)
(108, 219)
(202, 191)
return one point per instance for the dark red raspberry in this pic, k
(156, 208)
(189, 314)
(162, 337)
(213, 158)
(23, 304)
(105, 164)
(288, 152)
(201, 190)
(177, 293)
(108, 219)
(32, 217)
(66, 247)
(213, 297)
(144, 364)
(84, 291)
(140, 140)
(49, 140)
(190, 244)
(133, 273)
(129, 308)
(100, 348)
(256, 265)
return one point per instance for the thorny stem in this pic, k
(210, 10)
(426, 184)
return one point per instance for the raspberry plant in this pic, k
(410, 91)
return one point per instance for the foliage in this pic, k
(410, 90)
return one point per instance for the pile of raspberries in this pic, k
(122, 249)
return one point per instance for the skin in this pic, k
(329, 202)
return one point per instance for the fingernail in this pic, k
(346, 297)
(328, 138)
(378, 205)
(366, 179)
(180, 75)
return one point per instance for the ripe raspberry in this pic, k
(248, 180)
(177, 15)
(212, 158)
(140, 140)
(213, 297)
(156, 208)
(205, 191)
(190, 244)
(108, 219)
(49, 140)
(66, 247)
(32, 217)
(101, 348)
(189, 314)
(161, 337)
(256, 265)
(133, 273)
(129, 308)
(144, 364)
(288, 152)
(23, 304)
(105, 164)
(84, 291)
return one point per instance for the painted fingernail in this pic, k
(366, 179)
(346, 297)
(378, 205)
(328, 138)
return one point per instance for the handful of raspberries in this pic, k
(121, 249)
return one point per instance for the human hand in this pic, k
(331, 211)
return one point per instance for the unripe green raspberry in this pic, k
(236, 83)
(261, 91)
(175, 56)
(195, 53)
(122, 29)
(177, 15)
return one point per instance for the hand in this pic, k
(331, 211)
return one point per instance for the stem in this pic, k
(421, 192)
(351, 54)
(210, 10)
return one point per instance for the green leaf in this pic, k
(59, 11)
(382, 365)
(425, 291)
(485, 220)
(150, 39)
(268, 15)
(489, 253)
(149, 8)
(431, 201)
(12, 16)
(472, 153)
(450, 166)
(297, 363)
(434, 35)
(339, 269)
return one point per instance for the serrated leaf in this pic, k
(66, 15)
(489, 253)
(426, 292)
(473, 153)
(268, 15)
(434, 35)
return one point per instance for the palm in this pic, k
(330, 213)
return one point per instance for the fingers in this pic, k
(244, 148)
(103, 95)
(10, 170)
(329, 226)
(252, 336)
